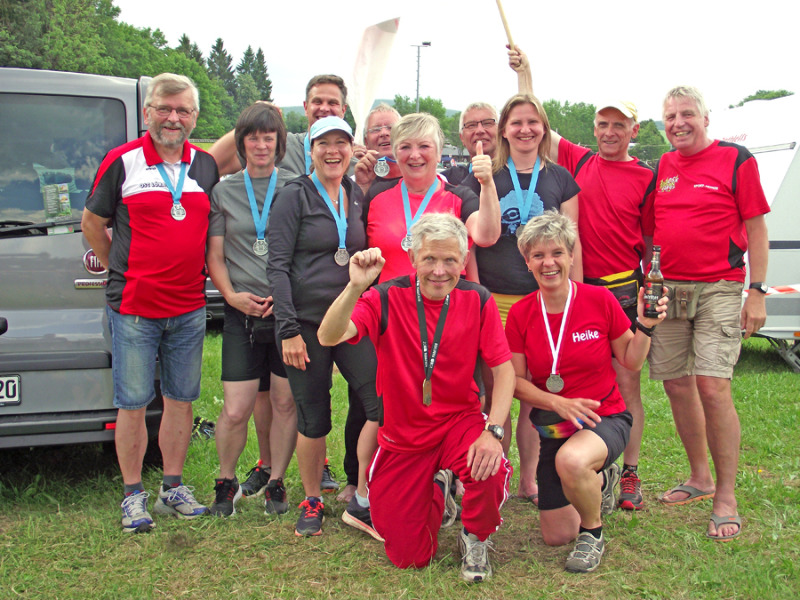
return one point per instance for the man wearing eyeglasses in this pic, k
(478, 123)
(154, 193)
(378, 164)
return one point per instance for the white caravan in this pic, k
(770, 129)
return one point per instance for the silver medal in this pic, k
(260, 247)
(381, 168)
(554, 383)
(405, 243)
(342, 257)
(178, 212)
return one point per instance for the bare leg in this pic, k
(175, 434)
(367, 443)
(310, 460)
(724, 435)
(231, 431)
(130, 438)
(283, 433)
(630, 387)
(687, 411)
(262, 419)
(528, 447)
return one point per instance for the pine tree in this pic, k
(261, 77)
(219, 67)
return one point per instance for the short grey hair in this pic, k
(551, 226)
(476, 106)
(417, 126)
(690, 92)
(170, 84)
(439, 227)
(381, 108)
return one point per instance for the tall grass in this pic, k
(60, 537)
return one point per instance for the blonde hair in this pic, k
(503, 148)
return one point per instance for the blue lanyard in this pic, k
(307, 151)
(175, 191)
(524, 204)
(470, 168)
(421, 210)
(341, 219)
(260, 220)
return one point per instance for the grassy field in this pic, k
(60, 537)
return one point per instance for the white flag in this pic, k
(373, 54)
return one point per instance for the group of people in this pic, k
(439, 297)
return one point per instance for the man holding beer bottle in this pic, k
(708, 211)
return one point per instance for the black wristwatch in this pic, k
(648, 331)
(760, 286)
(496, 430)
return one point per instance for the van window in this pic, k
(50, 149)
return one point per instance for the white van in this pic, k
(770, 129)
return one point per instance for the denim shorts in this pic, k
(136, 342)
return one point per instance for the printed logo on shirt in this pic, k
(667, 185)
(585, 336)
(703, 185)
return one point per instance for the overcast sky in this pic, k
(581, 50)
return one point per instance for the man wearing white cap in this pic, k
(615, 188)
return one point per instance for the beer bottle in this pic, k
(653, 284)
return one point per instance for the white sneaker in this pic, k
(179, 502)
(586, 555)
(475, 557)
(135, 518)
(445, 476)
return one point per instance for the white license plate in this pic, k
(9, 389)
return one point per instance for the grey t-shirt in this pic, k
(232, 218)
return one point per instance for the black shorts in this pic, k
(614, 430)
(312, 388)
(243, 360)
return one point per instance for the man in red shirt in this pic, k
(429, 329)
(708, 211)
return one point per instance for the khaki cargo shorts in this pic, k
(707, 344)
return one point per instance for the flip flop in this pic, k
(719, 522)
(694, 495)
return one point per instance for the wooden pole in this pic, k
(505, 23)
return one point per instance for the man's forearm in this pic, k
(336, 322)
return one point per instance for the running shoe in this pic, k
(475, 564)
(275, 498)
(630, 487)
(445, 478)
(328, 483)
(257, 480)
(311, 518)
(359, 517)
(226, 494)
(586, 555)
(179, 502)
(135, 518)
(609, 499)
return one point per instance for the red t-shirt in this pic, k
(386, 222)
(610, 206)
(472, 329)
(698, 215)
(595, 319)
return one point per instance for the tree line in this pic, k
(86, 36)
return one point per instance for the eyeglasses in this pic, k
(380, 128)
(165, 111)
(473, 125)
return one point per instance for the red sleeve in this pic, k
(569, 154)
(367, 317)
(749, 192)
(493, 345)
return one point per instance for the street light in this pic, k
(418, 46)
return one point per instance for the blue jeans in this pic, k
(136, 342)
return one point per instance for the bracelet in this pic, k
(648, 331)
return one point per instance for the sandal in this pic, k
(694, 495)
(719, 522)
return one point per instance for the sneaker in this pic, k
(135, 518)
(226, 494)
(359, 517)
(630, 487)
(179, 502)
(445, 477)
(475, 557)
(275, 498)
(586, 555)
(311, 518)
(257, 480)
(609, 499)
(328, 484)
(203, 429)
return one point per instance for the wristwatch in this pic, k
(496, 430)
(760, 286)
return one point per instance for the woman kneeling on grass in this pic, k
(577, 407)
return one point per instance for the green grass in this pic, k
(60, 538)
